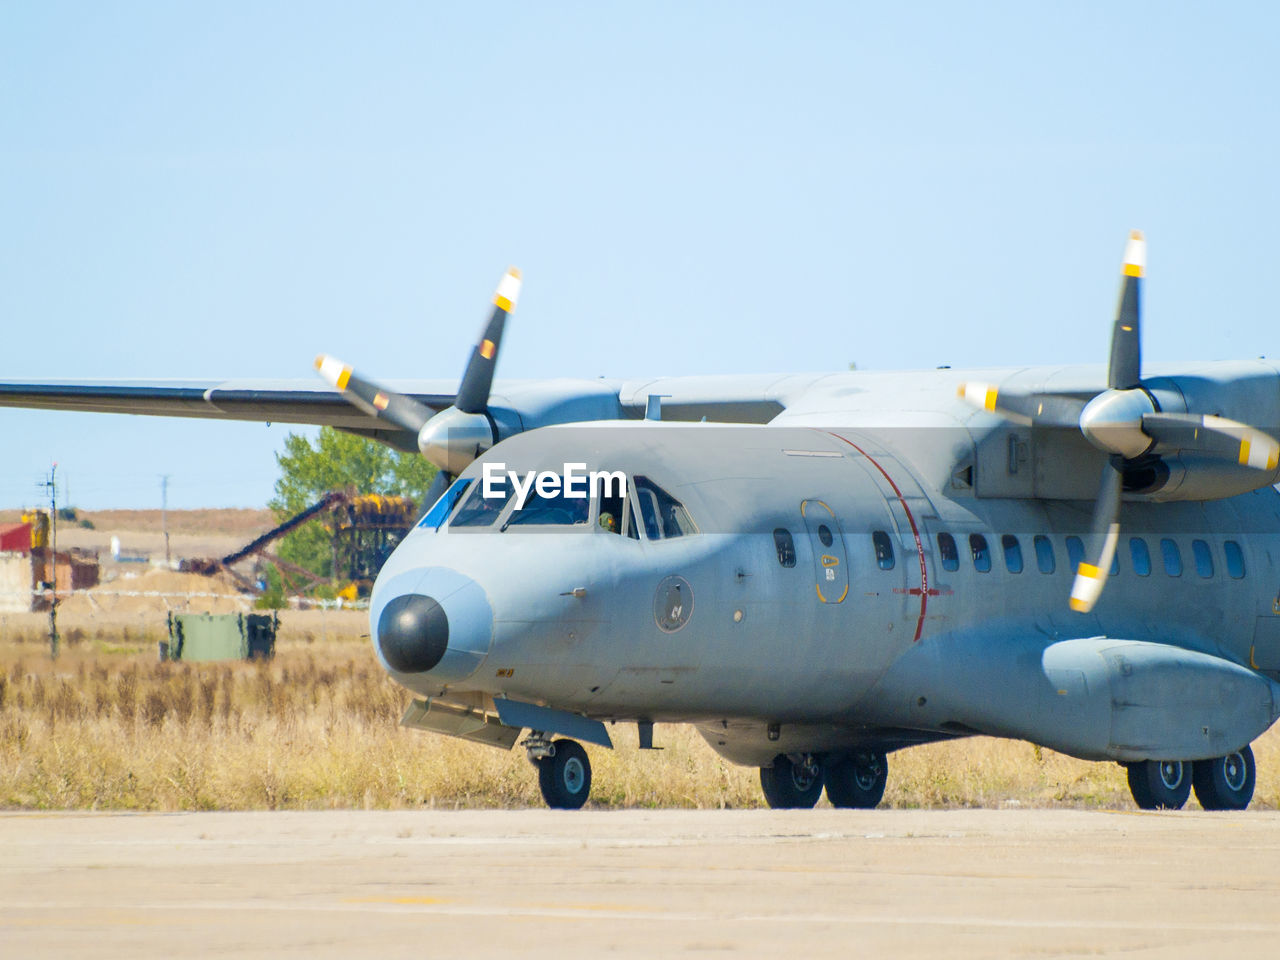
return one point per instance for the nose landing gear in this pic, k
(564, 771)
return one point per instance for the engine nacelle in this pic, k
(1184, 477)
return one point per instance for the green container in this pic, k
(196, 637)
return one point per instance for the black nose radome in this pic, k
(413, 633)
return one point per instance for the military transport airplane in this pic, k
(819, 570)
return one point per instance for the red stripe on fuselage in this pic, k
(915, 532)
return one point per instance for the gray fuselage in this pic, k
(841, 645)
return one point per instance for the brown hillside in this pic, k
(233, 522)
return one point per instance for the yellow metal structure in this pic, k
(366, 529)
(39, 520)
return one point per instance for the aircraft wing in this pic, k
(534, 403)
(741, 399)
(280, 401)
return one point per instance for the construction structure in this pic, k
(364, 529)
(368, 528)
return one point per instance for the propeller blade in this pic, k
(473, 393)
(1214, 437)
(1038, 409)
(396, 408)
(1125, 371)
(1092, 577)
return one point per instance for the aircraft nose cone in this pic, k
(413, 633)
(430, 626)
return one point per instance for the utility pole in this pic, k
(164, 515)
(52, 487)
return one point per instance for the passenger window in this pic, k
(1115, 563)
(1045, 559)
(1012, 553)
(1075, 552)
(441, 509)
(1171, 557)
(884, 548)
(1140, 556)
(556, 508)
(1235, 559)
(1204, 559)
(785, 546)
(663, 515)
(479, 510)
(947, 550)
(981, 552)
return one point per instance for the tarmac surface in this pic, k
(537, 883)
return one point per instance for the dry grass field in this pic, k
(107, 726)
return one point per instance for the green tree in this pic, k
(338, 461)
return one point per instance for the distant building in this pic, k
(25, 574)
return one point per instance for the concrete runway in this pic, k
(536, 883)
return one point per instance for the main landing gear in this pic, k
(1222, 783)
(564, 771)
(796, 782)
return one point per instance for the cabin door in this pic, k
(830, 562)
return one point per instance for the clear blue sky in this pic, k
(225, 190)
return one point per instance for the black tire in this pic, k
(788, 786)
(565, 777)
(1225, 783)
(857, 782)
(1160, 784)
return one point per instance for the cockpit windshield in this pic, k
(481, 511)
(547, 499)
(557, 507)
(444, 506)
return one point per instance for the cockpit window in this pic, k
(662, 515)
(481, 511)
(553, 508)
(444, 506)
(612, 497)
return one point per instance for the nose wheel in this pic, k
(564, 773)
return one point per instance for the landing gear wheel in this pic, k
(792, 786)
(565, 776)
(857, 781)
(1160, 784)
(1225, 783)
